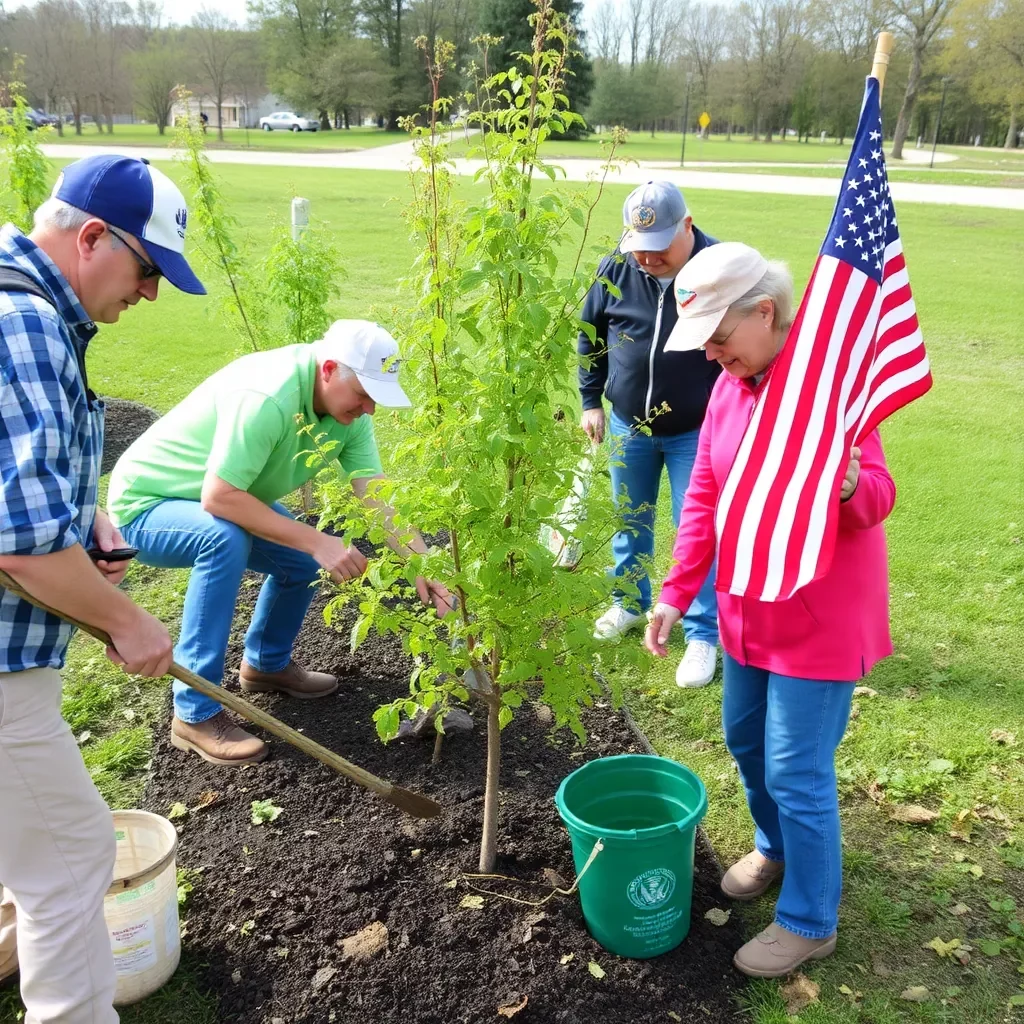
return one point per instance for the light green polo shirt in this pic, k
(241, 424)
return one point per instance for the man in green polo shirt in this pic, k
(201, 489)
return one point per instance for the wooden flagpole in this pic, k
(881, 62)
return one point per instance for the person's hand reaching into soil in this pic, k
(343, 563)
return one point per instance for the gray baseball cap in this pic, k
(651, 215)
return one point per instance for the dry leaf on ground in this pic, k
(366, 942)
(992, 813)
(718, 917)
(864, 691)
(798, 993)
(913, 814)
(472, 902)
(959, 909)
(916, 994)
(565, 959)
(944, 949)
(512, 1010)
(1004, 738)
(875, 792)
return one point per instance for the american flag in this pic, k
(853, 357)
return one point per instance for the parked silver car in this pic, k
(289, 121)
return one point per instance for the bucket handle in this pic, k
(598, 847)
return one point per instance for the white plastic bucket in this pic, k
(141, 906)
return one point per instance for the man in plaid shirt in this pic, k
(112, 228)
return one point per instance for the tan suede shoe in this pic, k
(219, 741)
(776, 952)
(293, 680)
(750, 876)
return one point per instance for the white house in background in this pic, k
(235, 111)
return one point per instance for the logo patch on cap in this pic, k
(643, 217)
(181, 219)
(684, 297)
(389, 364)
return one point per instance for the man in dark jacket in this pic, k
(626, 363)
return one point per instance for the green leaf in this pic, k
(596, 970)
(177, 811)
(990, 947)
(264, 811)
(504, 716)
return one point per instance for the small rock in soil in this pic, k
(366, 943)
(322, 977)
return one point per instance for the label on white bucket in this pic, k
(652, 888)
(131, 895)
(172, 931)
(134, 946)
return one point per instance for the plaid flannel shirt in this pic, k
(51, 439)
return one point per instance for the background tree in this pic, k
(920, 22)
(510, 20)
(165, 62)
(219, 52)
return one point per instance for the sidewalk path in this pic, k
(399, 157)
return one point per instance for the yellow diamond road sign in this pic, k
(704, 120)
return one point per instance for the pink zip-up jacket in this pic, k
(835, 628)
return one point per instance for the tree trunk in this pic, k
(220, 117)
(1011, 132)
(488, 841)
(907, 110)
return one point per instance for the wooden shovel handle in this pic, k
(413, 803)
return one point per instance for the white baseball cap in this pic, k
(707, 286)
(371, 354)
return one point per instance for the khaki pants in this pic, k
(56, 858)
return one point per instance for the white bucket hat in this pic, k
(707, 286)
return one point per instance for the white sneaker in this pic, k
(616, 621)
(698, 665)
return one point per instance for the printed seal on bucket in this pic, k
(651, 888)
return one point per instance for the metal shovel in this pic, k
(404, 799)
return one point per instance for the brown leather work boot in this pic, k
(218, 740)
(776, 952)
(750, 876)
(293, 680)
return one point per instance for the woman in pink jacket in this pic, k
(790, 666)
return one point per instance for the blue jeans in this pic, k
(642, 459)
(783, 733)
(177, 534)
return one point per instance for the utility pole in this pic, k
(686, 117)
(938, 123)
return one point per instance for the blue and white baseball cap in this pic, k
(651, 216)
(134, 196)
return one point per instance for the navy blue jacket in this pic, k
(622, 366)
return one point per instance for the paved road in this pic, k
(399, 157)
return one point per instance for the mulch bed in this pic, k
(274, 902)
(123, 422)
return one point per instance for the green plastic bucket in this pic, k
(637, 890)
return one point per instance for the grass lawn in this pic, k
(956, 582)
(235, 138)
(943, 174)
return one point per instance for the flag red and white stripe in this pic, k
(853, 357)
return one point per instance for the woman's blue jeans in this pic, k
(783, 733)
(177, 534)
